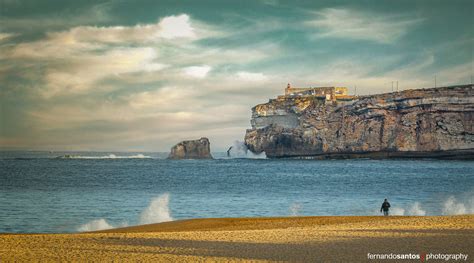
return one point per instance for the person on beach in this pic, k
(385, 207)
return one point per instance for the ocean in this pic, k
(91, 190)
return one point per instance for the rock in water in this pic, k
(194, 149)
(435, 123)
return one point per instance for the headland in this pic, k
(326, 122)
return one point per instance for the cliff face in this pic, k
(414, 123)
(194, 149)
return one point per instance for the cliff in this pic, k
(194, 149)
(435, 122)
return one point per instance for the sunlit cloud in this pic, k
(175, 27)
(84, 72)
(164, 99)
(172, 27)
(354, 24)
(197, 71)
(251, 76)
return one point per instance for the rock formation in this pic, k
(435, 122)
(194, 149)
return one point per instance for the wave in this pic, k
(110, 156)
(239, 150)
(156, 212)
(95, 225)
(295, 209)
(414, 210)
(450, 206)
(454, 207)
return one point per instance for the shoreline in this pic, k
(312, 238)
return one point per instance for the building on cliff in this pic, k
(324, 93)
(298, 99)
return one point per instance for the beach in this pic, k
(295, 239)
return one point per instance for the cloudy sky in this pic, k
(143, 75)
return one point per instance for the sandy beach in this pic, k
(296, 239)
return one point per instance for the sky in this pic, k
(144, 75)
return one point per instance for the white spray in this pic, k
(95, 225)
(452, 207)
(110, 156)
(240, 150)
(397, 211)
(295, 209)
(415, 210)
(156, 212)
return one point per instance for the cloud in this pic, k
(83, 58)
(171, 27)
(82, 73)
(91, 38)
(167, 99)
(270, 2)
(78, 40)
(175, 27)
(78, 59)
(51, 20)
(353, 24)
(197, 71)
(250, 76)
(411, 72)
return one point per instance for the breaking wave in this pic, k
(295, 209)
(110, 156)
(453, 207)
(156, 212)
(450, 206)
(95, 225)
(240, 150)
(414, 210)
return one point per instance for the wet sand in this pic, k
(297, 239)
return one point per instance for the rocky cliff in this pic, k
(435, 122)
(194, 149)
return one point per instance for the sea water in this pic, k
(90, 191)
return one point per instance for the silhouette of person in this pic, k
(385, 207)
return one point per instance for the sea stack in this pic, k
(193, 149)
(326, 122)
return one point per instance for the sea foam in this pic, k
(109, 156)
